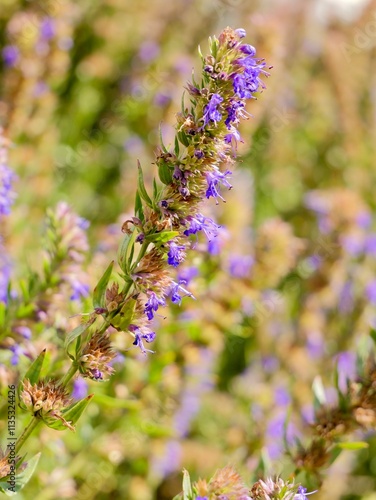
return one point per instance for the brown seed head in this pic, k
(97, 356)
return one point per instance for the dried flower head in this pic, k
(227, 483)
(96, 357)
(46, 399)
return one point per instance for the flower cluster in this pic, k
(228, 484)
(7, 178)
(198, 168)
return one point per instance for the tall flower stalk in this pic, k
(161, 232)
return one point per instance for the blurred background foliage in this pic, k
(286, 294)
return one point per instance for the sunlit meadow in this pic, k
(187, 250)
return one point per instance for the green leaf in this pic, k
(165, 173)
(34, 371)
(128, 404)
(187, 486)
(99, 295)
(141, 187)
(355, 445)
(162, 237)
(138, 208)
(126, 252)
(319, 393)
(124, 317)
(77, 332)
(183, 138)
(70, 414)
(373, 334)
(2, 314)
(21, 479)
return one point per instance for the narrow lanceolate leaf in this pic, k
(2, 314)
(162, 237)
(373, 334)
(319, 393)
(126, 252)
(70, 415)
(21, 479)
(356, 445)
(77, 332)
(33, 373)
(187, 486)
(99, 295)
(138, 208)
(141, 187)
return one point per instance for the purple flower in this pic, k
(139, 337)
(240, 265)
(281, 396)
(301, 493)
(346, 298)
(241, 32)
(6, 180)
(5, 271)
(149, 50)
(24, 331)
(152, 305)
(370, 245)
(186, 275)
(80, 388)
(47, 29)
(199, 222)
(371, 292)
(176, 290)
(247, 49)
(176, 254)
(234, 112)
(97, 374)
(214, 179)
(17, 351)
(346, 366)
(79, 290)
(10, 55)
(211, 112)
(353, 244)
(247, 83)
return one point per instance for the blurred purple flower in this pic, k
(186, 275)
(269, 363)
(353, 244)
(240, 265)
(79, 290)
(281, 396)
(315, 344)
(7, 177)
(162, 99)
(47, 29)
(24, 331)
(346, 298)
(371, 292)
(364, 220)
(149, 50)
(370, 245)
(5, 272)
(346, 366)
(11, 55)
(17, 351)
(80, 388)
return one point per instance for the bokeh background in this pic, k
(288, 290)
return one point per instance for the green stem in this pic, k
(70, 374)
(26, 433)
(142, 252)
